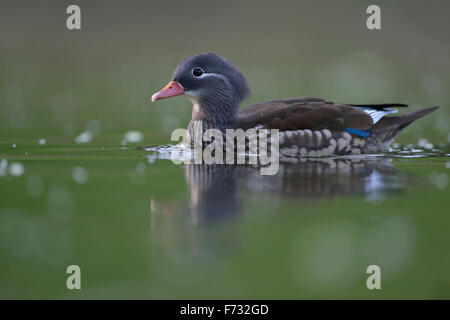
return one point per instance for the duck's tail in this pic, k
(385, 131)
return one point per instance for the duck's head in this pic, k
(214, 85)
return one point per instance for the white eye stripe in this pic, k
(217, 75)
(195, 93)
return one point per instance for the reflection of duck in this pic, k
(321, 178)
(308, 126)
(213, 191)
(206, 229)
(214, 188)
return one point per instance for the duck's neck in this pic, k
(219, 114)
(213, 114)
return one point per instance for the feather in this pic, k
(377, 115)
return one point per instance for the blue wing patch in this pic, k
(357, 132)
(376, 114)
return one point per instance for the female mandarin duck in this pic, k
(307, 126)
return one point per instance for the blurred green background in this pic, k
(56, 84)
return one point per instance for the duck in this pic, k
(311, 127)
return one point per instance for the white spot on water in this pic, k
(424, 143)
(16, 169)
(84, 137)
(14, 145)
(42, 141)
(132, 137)
(80, 174)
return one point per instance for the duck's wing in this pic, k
(383, 106)
(379, 111)
(304, 113)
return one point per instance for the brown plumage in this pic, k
(303, 113)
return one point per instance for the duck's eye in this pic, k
(197, 72)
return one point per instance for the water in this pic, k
(140, 226)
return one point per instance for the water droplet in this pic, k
(16, 169)
(80, 174)
(84, 137)
(132, 137)
(424, 143)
